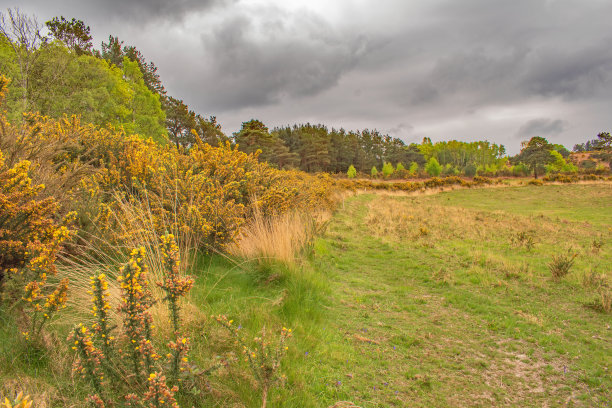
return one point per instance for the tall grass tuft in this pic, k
(281, 238)
(561, 264)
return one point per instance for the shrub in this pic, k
(535, 182)
(263, 357)
(387, 170)
(414, 168)
(137, 356)
(433, 168)
(469, 170)
(30, 241)
(520, 170)
(561, 264)
(374, 172)
(351, 172)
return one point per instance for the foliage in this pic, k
(30, 240)
(387, 169)
(96, 348)
(374, 172)
(264, 358)
(559, 164)
(414, 169)
(351, 172)
(536, 153)
(470, 170)
(433, 168)
(74, 33)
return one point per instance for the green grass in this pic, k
(406, 301)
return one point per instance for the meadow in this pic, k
(398, 299)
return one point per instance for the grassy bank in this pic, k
(405, 300)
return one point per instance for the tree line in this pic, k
(61, 73)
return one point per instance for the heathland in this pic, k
(149, 260)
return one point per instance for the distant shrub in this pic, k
(523, 239)
(469, 170)
(399, 167)
(351, 172)
(588, 164)
(449, 170)
(414, 168)
(387, 170)
(535, 182)
(433, 168)
(482, 180)
(520, 170)
(374, 171)
(561, 264)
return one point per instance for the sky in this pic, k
(500, 70)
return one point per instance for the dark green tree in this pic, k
(535, 154)
(74, 33)
(180, 122)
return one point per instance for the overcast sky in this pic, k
(501, 70)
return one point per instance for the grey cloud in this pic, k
(134, 11)
(278, 54)
(541, 127)
(572, 74)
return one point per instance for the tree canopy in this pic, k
(536, 153)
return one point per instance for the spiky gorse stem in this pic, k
(100, 309)
(135, 302)
(264, 358)
(159, 395)
(173, 285)
(89, 363)
(178, 356)
(43, 307)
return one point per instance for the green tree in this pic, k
(374, 171)
(399, 167)
(559, 164)
(535, 154)
(387, 169)
(414, 168)
(74, 33)
(351, 172)
(433, 168)
(209, 131)
(179, 122)
(604, 142)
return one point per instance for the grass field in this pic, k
(420, 301)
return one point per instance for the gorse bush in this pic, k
(263, 357)
(30, 240)
(97, 347)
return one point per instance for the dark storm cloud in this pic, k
(469, 68)
(275, 54)
(572, 74)
(541, 127)
(133, 11)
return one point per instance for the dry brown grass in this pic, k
(280, 238)
(395, 220)
(136, 228)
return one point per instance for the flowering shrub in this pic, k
(30, 239)
(139, 360)
(263, 357)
